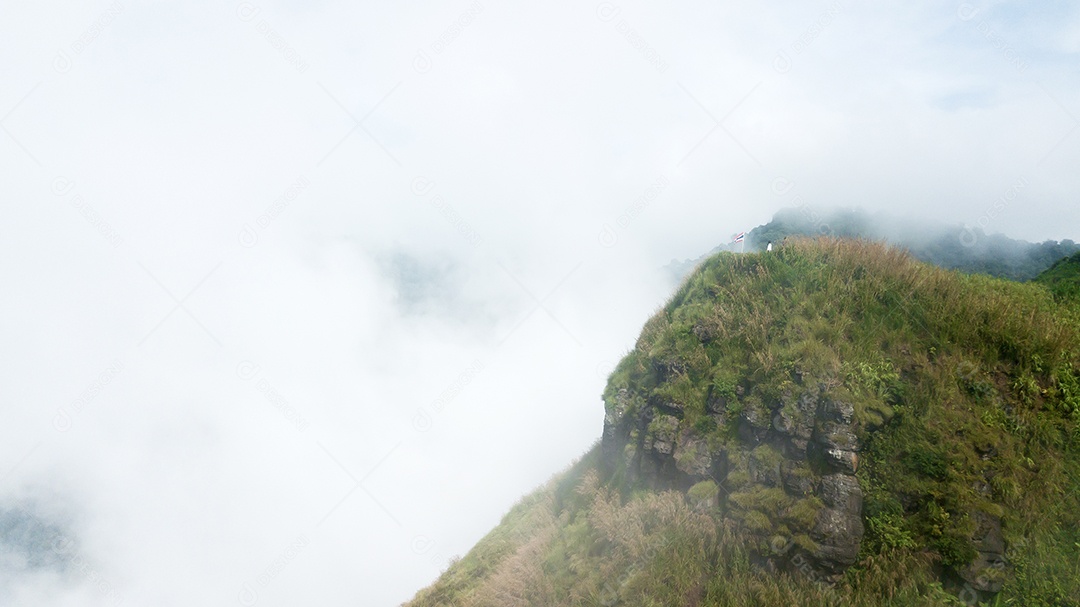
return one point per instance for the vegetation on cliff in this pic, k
(832, 423)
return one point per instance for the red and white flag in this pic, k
(738, 237)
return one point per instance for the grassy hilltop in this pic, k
(954, 246)
(832, 423)
(1063, 278)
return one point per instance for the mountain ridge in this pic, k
(966, 248)
(831, 423)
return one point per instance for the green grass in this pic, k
(967, 399)
(1063, 278)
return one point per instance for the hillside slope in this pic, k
(832, 423)
(1063, 278)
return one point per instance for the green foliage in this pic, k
(804, 512)
(928, 463)
(879, 378)
(956, 550)
(756, 521)
(767, 457)
(737, 479)
(966, 392)
(888, 531)
(1063, 278)
(1067, 387)
(705, 490)
(724, 385)
(705, 426)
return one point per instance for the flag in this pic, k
(738, 237)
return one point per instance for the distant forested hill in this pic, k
(948, 246)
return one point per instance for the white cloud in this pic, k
(260, 164)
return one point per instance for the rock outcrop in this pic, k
(787, 472)
(987, 572)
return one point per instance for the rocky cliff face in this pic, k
(787, 475)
